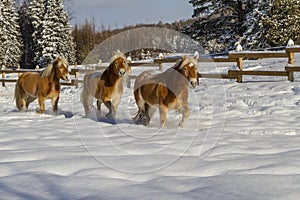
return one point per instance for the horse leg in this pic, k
(55, 104)
(163, 110)
(185, 116)
(29, 100)
(140, 117)
(42, 104)
(112, 111)
(149, 112)
(99, 103)
(20, 97)
(185, 111)
(87, 102)
(24, 107)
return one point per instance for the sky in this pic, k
(120, 13)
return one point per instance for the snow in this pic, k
(241, 142)
(290, 43)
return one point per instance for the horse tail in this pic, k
(17, 96)
(139, 114)
(86, 98)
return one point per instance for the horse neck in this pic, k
(109, 76)
(174, 77)
(53, 77)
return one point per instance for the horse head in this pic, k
(188, 67)
(120, 65)
(62, 68)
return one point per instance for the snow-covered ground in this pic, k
(241, 142)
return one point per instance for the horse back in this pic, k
(28, 82)
(152, 88)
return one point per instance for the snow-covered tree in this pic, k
(46, 31)
(282, 22)
(56, 37)
(253, 23)
(10, 45)
(27, 58)
(253, 36)
(219, 22)
(36, 18)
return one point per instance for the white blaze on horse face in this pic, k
(122, 71)
(193, 82)
(65, 75)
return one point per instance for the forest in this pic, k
(33, 32)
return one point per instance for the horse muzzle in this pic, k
(122, 72)
(66, 77)
(193, 82)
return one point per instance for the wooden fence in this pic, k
(231, 74)
(288, 71)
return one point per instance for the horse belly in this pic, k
(175, 105)
(94, 87)
(53, 93)
(148, 93)
(117, 93)
(29, 83)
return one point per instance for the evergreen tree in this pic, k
(282, 22)
(253, 37)
(56, 37)
(254, 23)
(10, 45)
(46, 31)
(36, 18)
(218, 22)
(27, 58)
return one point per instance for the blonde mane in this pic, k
(118, 55)
(185, 60)
(47, 72)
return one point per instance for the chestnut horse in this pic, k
(44, 85)
(106, 87)
(167, 90)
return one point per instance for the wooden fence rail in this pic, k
(231, 74)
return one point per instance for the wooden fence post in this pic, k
(3, 75)
(161, 66)
(240, 63)
(291, 61)
(76, 75)
(19, 70)
(291, 56)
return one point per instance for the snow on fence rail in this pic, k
(232, 74)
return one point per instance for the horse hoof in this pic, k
(109, 116)
(181, 124)
(23, 110)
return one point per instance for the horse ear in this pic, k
(196, 55)
(183, 62)
(55, 62)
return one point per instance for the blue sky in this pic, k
(120, 13)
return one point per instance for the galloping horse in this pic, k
(106, 87)
(44, 85)
(167, 90)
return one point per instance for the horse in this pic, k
(167, 91)
(42, 85)
(106, 87)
